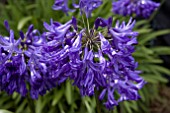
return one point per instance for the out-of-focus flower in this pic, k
(20, 64)
(62, 5)
(94, 59)
(85, 6)
(142, 8)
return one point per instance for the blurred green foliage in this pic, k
(66, 98)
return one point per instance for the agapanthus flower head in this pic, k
(86, 6)
(95, 59)
(143, 8)
(20, 64)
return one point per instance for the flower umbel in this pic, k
(143, 8)
(96, 59)
(20, 64)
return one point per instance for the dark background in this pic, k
(162, 21)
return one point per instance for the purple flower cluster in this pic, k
(142, 8)
(86, 6)
(20, 64)
(94, 59)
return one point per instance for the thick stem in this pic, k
(97, 101)
(31, 104)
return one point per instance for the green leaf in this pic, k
(42, 103)
(127, 107)
(151, 60)
(133, 105)
(115, 110)
(14, 95)
(5, 111)
(161, 69)
(88, 107)
(153, 35)
(161, 50)
(151, 78)
(23, 21)
(21, 107)
(38, 106)
(144, 107)
(143, 31)
(142, 95)
(57, 97)
(146, 50)
(141, 22)
(32, 6)
(68, 93)
(61, 108)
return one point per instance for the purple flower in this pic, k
(92, 58)
(10, 44)
(86, 72)
(12, 64)
(142, 8)
(37, 74)
(85, 6)
(12, 78)
(56, 51)
(120, 71)
(57, 31)
(95, 59)
(62, 5)
(20, 63)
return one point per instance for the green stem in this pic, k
(83, 21)
(154, 14)
(86, 24)
(88, 27)
(97, 101)
(31, 104)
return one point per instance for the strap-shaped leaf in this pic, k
(143, 39)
